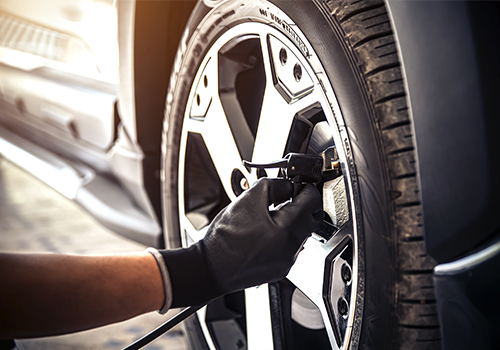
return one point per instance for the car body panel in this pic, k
(59, 90)
(450, 56)
(467, 299)
(146, 61)
(449, 81)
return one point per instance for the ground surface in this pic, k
(34, 218)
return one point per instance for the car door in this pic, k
(59, 68)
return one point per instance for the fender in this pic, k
(149, 34)
(450, 56)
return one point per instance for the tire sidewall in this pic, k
(369, 178)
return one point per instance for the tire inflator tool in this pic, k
(302, 168)
(299, 168)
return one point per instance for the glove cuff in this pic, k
(166, 279)
(191, 278)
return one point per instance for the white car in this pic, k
(143, 111)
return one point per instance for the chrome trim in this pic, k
(108, 203)
(468, 262)
(103, 198)
(42, 164)
(44, 42)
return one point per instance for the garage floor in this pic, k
(34, 218)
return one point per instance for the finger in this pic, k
(309, 199)
(279, 190)
(306, 207)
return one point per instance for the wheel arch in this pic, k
(450, 61)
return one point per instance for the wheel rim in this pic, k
(226, 121)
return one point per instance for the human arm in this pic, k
(246, 244)
(49, 294)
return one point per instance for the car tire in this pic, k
(349, 52)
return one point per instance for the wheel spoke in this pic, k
(194, 125)
(202, 315)
(193, 235)
(308, 275)
(258, 318)
(275, 118)
(206, 116)
(309, 270)
(277, 114)
(289, 73)
(205, 91)
(274, 125)
(221, 146)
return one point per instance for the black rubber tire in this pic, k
(354, 41)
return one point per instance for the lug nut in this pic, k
(244, 184)
(343, 307)
(346, 273)
(238, 182)
(283, 56)
(297, 72)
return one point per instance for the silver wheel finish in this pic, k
(288, 90)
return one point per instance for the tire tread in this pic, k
(369, 36)
(366, 27)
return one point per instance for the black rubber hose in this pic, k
(148, 338)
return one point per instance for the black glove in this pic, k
(246, 244)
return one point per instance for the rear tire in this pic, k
(354, 58)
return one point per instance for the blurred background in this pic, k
(65, 139)
(33, 219)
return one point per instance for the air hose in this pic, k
(148, 338)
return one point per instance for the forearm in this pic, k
(245, 245)
(48, 294)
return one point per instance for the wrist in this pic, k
(191, 278)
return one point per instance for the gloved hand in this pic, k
(246, 244)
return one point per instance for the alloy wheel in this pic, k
(257, 96)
